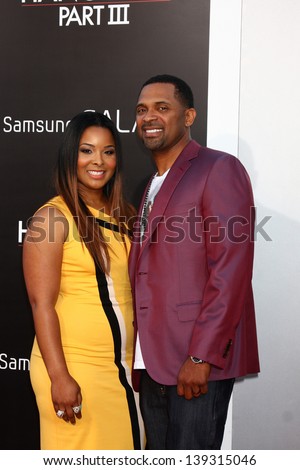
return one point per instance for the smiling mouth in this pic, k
(96, 173)
(152, 131)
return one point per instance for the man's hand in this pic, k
(192, 379)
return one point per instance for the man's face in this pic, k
(160, 117)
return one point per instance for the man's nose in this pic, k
(150, 115)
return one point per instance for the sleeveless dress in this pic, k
(96, 320)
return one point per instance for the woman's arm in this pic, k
(42, 259)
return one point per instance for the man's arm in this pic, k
(228, 223)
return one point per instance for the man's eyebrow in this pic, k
(156, 102)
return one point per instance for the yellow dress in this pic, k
(96, 320)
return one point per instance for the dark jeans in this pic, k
(172, 422)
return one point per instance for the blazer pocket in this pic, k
(181, 209)
(189, 311)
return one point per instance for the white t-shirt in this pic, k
(155, 186)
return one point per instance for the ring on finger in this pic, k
(60, 413)
(76, 409)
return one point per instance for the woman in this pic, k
(75, 267)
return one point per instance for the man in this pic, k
(191, 269)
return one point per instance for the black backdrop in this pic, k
(58, 58)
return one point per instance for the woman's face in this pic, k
(96, 158)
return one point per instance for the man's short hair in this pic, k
(182, 90)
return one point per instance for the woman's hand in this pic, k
(66, 396)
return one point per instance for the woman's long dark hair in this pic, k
(66, 183)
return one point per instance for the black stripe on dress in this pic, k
(113, 227)
(115, 328)
(108, 225)
(114, 324)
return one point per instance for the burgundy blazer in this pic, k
(191, 277)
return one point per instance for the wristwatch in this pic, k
(196, 360)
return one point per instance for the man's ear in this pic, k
(190, 116)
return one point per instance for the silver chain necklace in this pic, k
(145, 211)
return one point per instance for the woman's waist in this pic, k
(92, 355)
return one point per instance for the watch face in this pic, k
(196, 360)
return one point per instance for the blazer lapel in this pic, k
(178, 169)
(136, 244)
